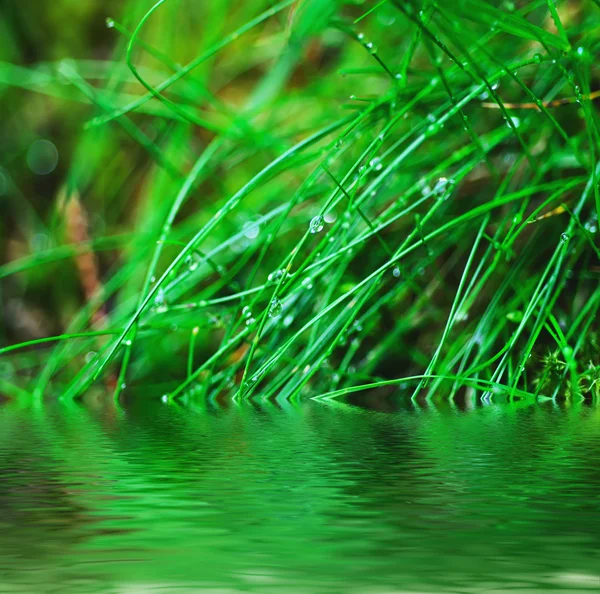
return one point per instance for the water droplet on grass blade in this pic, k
(275, 276)
(275, 308)
(307, 283)
(191, 262)
(375, 163)
(514, 316)
(251, 229)
(432, 129)
(316, 224)
(564, 238)
(442, 187)
(396, 271)
(371, 47)
(160, 301)
(110, 23)
(567, 352)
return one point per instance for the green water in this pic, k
(306, 500)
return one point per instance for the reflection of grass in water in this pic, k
(304, 495)
(320, 198)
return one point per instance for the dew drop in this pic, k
(316, 224)
(564, 238)
(275, 276)
(583, 54)
(110, 23)
(307, 283)
(375, 163)
(515, 316)
(396, 271)
(442, 187)
(246, 312)
(275, 308)
(164, 398)
(191, 262)
(371, 47)
(432, 129)
(537, 58)
(160, 301)
(251, 229)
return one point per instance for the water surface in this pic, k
(313, 499)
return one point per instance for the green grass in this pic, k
(278, 200)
